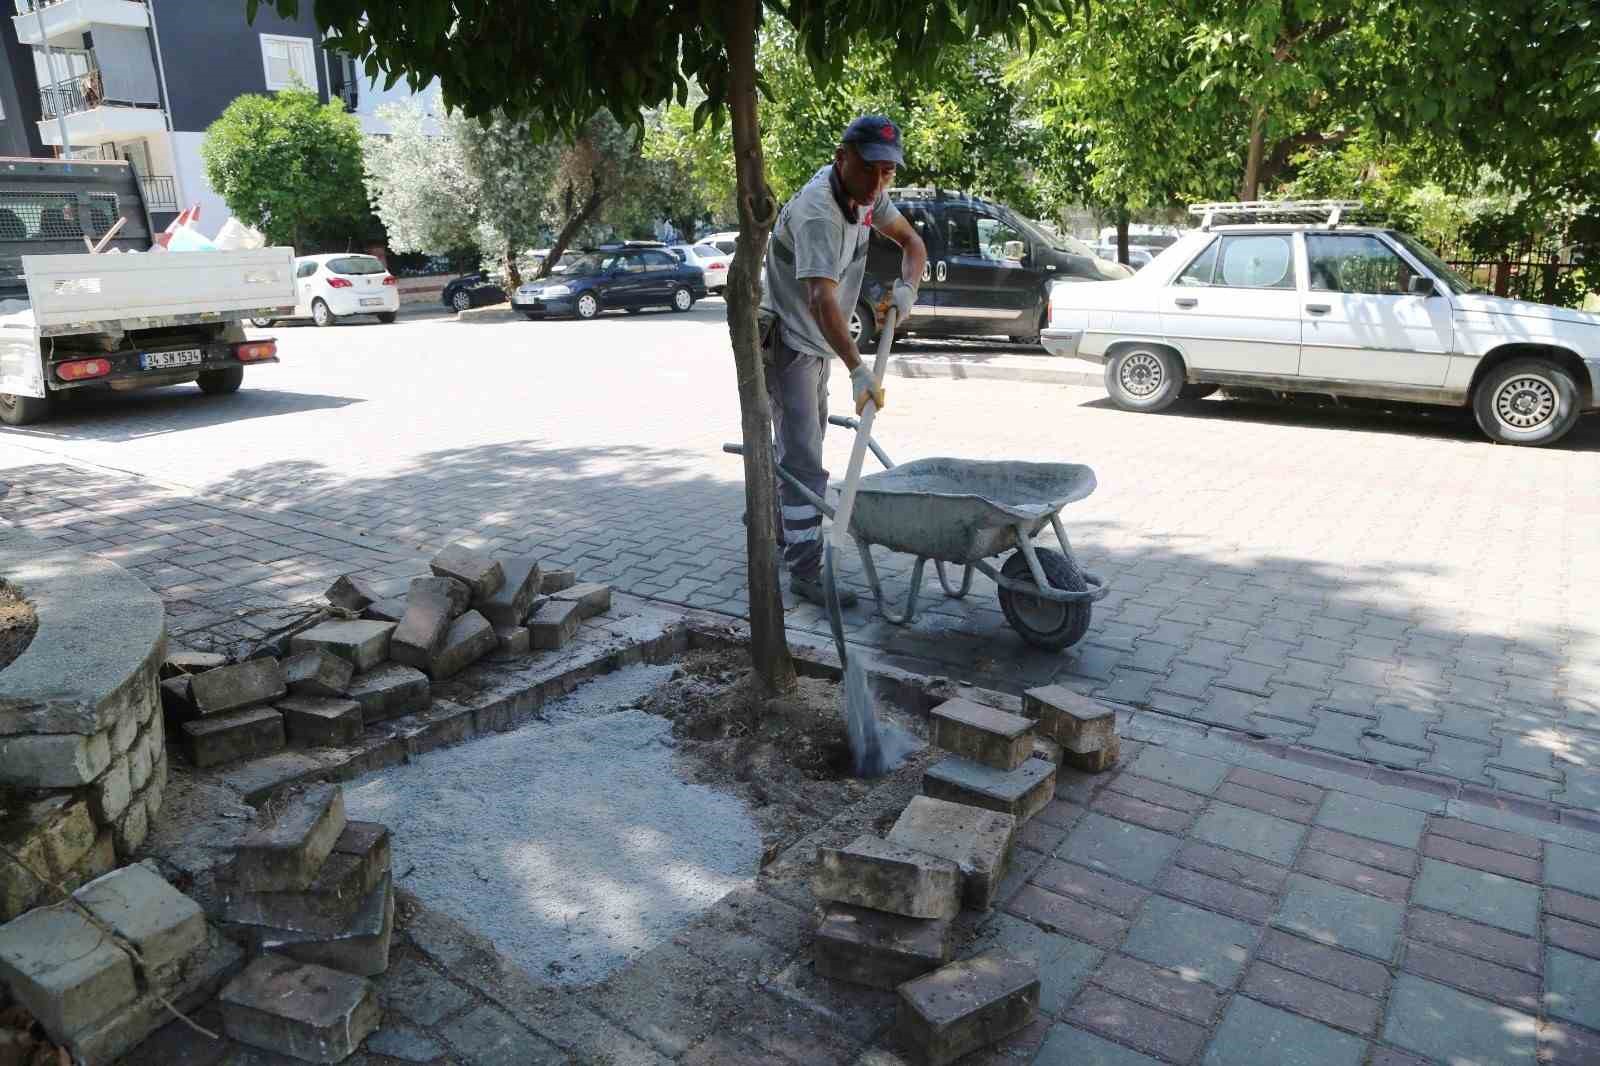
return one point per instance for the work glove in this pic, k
(863, 388)
(903, 297)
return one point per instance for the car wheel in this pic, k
(262, 323)
(1197, 391)
(1048, 624)
(462, 300)
(864, 328)
(321, 315)
(682, 299)
(1526, 401)
(387, 317)
(1031, 338)
(221, 382)
(588, 305)
(1143, 378)
(23, 410)
(531, 316)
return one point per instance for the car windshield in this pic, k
(588, 265)
(1044, 234)
(355, 264)
(707, 250)
(1437, 266)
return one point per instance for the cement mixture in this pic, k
(18, 623)
(570, 842)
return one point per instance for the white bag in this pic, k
(236, 236)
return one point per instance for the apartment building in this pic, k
(141, 80)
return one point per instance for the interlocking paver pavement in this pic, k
(1328, 578)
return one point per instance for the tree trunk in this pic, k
(758, 210)
(1252, 164)
(513, 275)
(1122, 235)
(597, 196)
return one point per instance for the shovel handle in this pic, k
(858, 452)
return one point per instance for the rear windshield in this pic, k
(356, 264)
(707, 249)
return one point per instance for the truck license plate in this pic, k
(186, 357)
(372, 303)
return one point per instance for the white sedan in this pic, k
(330, 287)
(710, 259)
(1336, 310)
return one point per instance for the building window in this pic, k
(289, 62)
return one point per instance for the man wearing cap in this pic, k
(815, 263)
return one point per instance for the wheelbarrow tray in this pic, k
(963, 510)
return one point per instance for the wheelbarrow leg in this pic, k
(871, 569)
(1066, 549)
(966, 581)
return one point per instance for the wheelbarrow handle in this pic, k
(793, 482)
(846, 422)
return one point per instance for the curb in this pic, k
(1012, 370)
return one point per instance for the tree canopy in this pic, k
(288, 165)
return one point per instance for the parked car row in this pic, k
(630, 276)
(1278, 303)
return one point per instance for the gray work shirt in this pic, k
(818, 235)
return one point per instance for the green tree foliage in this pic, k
(405, 173)
(289, 166)
(701, 158)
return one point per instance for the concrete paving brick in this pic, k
(64, 970)
(1263, 836)
(1059, 812)
(873, 948)
(1573, 936)
(1471, 938)
(1020, 793)
(1179, 992)
(413, 991)
(1180, 769)
(1069, 917)
(1256, 1033)
(1134, 1024)
(1341, 969)
(1567, 1045)
(161, 922)
(1539, 788)
(1450, 1026)
(1183, 937)
(1077, 882)
(1155, 792)
(1480, 896)
(1066, 1046)
(1340, 917)
(1131, 809)
(1481, 858)
(1118, 847)
(488, 1036)
(963, 1006)
(1571, 905)
(1359, 816)
(870, 872)
(1063, 964)
(1040, 836)
(1312, 998)
(1571, 869)
(976, 840)
(1291, 808)
(1367, 879)
(1215, 894)
(1512, 987)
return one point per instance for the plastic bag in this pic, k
(236, 236)
(188, 239)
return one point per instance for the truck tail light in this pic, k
(255, 351)
(338, 283)
(80, 369)
(388, 279)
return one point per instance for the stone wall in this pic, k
(83, 767)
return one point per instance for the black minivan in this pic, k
(989, 269)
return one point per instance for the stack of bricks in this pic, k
(100, 985)
(888, 904)
(311, 897)
(345, 674)
(1085, 729)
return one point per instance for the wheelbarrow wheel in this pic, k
(1045, 623)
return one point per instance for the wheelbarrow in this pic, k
(964, 512)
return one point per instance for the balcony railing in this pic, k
(72, 95)
(160, 192)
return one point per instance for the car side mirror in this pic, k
(1421, 286)
(1015, 250)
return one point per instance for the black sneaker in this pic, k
(810, 590)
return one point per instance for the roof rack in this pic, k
(1318, 212)
(916, 192)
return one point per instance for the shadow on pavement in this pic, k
(125, 416)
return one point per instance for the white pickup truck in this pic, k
(1290, 306)
(126, 317)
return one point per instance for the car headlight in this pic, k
(558, 290)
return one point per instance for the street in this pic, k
(1390, 588)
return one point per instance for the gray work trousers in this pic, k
(797, 383)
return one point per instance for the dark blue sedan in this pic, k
(625, 277)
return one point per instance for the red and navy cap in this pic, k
(876, 138)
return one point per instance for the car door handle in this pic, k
(1319, 309)
(1186, 301)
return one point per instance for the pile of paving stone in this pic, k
(311, 896)
(889, 903)
(375, 662)
(98, 972)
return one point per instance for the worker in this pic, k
(816, 260)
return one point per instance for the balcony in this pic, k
(70, 18)
(90, 118)
(160, 192)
